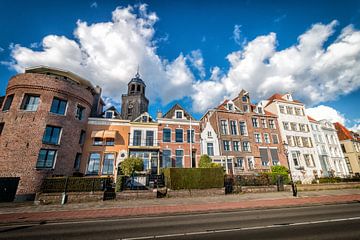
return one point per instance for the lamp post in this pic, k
(286, 152)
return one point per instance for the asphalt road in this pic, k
(340, 221)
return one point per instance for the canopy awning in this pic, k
(109, 134)
(97, 134)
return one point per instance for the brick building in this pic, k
(43, 118)
(179, 139)
(248, 136)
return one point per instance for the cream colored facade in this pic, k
(351, 149)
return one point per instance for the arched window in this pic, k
(138, 88)
(132, 88)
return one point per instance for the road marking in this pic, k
(241, 229)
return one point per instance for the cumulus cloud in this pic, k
(108, 53)
(197, 61)
(325, 112)
(313, 72)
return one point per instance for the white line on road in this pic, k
(242, 229)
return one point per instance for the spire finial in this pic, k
(137, 75)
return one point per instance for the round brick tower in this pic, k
(43, 117)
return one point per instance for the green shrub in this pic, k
(193, 178)
(120, 180)
(206, 162)
(262, 179)
(131, 164)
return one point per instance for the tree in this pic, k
(279, 169)
(206, 162)
(131, 164)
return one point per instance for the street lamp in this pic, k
(286, 152)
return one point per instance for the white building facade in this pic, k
(303, 158)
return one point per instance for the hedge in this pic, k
(75, 184)
(193, 178)
(338, 179)
(263, 179)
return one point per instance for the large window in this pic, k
(266, 138)
(289, 110)
(166, 135)
(243, 130)
(30, 102)
(98, 141)
(179, 135)
(309, 160)
(272, 124)
(179, 154)
(52, 135)
(274, 156)
(80, 112)
(149, 138)
(286, 126)
(282, 109)
(210, 149)
(226, 145)
(275, 138)
(94, 164)
(257, 137)
(239, 162)
(236, 146)
(263, 123)
(110, 142)
(58, 106)
(233, 127)
(190, 136)
(290, 141)
(77, 161)
(179, 114)
(264, 157)
(246, 146)
(108, 165)
(2, 124)
(137, 138)
(46, 158)
(8, 102)
(82, 137)
(255, 122)
(348, 165)
(295, 157)
(224, 127)
(166, 159)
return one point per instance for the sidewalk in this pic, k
(27, 212)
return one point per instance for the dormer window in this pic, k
(179, 114)
(246, 108)
(260, 110)
(244, 98)
(230, 106)
(109, 114)
(144, 118)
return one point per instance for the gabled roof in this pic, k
(170, 114)
(278, 96)
(312, 119)
(343, 132)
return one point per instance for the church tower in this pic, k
(134, 103)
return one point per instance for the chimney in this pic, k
(159, 114)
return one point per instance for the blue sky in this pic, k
(192, 43)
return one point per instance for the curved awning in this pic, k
(97, 134)
(109, 134)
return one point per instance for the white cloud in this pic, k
(94, 5)
(197, 61)
(313, 72)
(325, 112)
(108, 53)
(236, 34)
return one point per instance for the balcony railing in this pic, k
(144, 142)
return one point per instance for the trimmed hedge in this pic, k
(338, 179)
(75, 184)
(193, 178)
(263, 179)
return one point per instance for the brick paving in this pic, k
(119, 209)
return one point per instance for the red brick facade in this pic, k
(21, 138)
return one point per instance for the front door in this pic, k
(154, 163)
(193, 159)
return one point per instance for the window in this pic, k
(179, 114)
(108, 165)
(233, 127)
(137, 138)
(263, 123)
(295, 157)
(236, 146)
(243, 130)
(166, 135)
(58, 106)
(149, 138)
(77, 161)
(282, 109)
(305, 141)
(257, 137)
(82, 137)
(179, 158)
(8, 102)
(275, 139)
(230, 107)
(250, 161)
(286, 125)
(260, 110)
(246, 108)
(255, 122)
(109, 114)
(190, 136)
(348, 165)
(179, 136)
(166, 158)
(110, 142)
(271, 124)
(30, 102)
(343, 148)
(52, 135)
(239, 162)
(309, 160)
(289, 110)
(302, 127)
(290, 141)
(46, 158)
(80, 112)
(297, 141)
(98, 141)
(293, 126)
(226, 145)
(94, 164)
(297, 111)
(266, 138)
(244, 99)
(274, 157)
(264, 157)
(224, 127)
(246, 146)
(210, 149)
(1, 127)
(209, 134)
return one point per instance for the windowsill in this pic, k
(57, 114)
(52, 144)
(44, 169)
(24, 110)
(4, 111)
